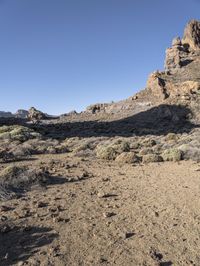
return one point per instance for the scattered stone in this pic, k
(105, 179)
(109, 214)
(129, 235)
(42, 204)
(5, 229)
(102, 194)
(4, 218)
(5, 208)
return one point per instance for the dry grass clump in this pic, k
(15, 178)
(171, 137)
(76, 144)
(172, 154)
(148, 142)
(47, 146)
(128, 157)
(109, 151)
(191, 151)
(145, 151)
(106, 152)
(151, 158)
(6, 155)
(19, 133)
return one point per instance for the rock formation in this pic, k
(191, 35)
(35, 115)
(182, 64)
(21, 113)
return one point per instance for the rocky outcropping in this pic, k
(21, 113)
(96, 108)
(185, 51)
(180, 80)
(191, 37)
(36, 115)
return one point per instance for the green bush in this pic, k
(20, 133)
(18, 177)
(172, 154)
(106, 152)
(151, 158)
(127, 157)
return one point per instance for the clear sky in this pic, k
(61, 55)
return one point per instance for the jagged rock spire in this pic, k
(192, 35)
(183, 51)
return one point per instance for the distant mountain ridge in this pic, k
(19, 114)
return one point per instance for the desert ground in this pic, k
(103, 213)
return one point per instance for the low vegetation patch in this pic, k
(172, 154)
(19, 133)
(127, 157)
(17, 178)
(151, 158)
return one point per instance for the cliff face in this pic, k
(180, 80)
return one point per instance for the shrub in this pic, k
(190, 152)
(110, 151)
(171, 136)
(145, 151)
(121, 146)
(127, 157)
(135, 145)
(106, 152)
(151, 158)
(20, 133)
(149, 143)
(172, 154)
(21, 177)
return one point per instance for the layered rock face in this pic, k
(186, 50)
(181, 78)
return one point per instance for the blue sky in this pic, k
(61, 55)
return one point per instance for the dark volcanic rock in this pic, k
(6, 114)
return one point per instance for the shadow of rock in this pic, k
(159, 120)
(167, 263)
(20, 243)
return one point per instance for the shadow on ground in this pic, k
(159, 120)
(20, 243)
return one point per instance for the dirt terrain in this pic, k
(115, 215)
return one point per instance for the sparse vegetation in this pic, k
(17, 133)
(127, 157)
(151, 158)
(172, 155)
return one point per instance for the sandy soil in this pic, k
(115, 215)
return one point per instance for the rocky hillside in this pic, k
(179, 83)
